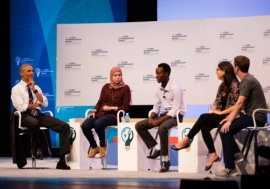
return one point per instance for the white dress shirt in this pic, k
(20, 96)
(171, 97)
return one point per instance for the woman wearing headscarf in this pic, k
(114, 96)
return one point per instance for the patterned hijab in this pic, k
(116, 85)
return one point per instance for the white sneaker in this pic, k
(225, 173)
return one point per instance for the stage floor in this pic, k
(47, 175)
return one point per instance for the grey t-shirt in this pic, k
(252, 90)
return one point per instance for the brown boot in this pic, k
(102, 152)
(93, 152)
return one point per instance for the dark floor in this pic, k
(45, 183)
(50, 178)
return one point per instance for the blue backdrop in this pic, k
(33, 37)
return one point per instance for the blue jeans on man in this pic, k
(228, 142)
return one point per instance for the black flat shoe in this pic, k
(165, 166)
(177, 149)
(216, 160)
(62, 165)
(154, 155)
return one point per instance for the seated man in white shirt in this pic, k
(27, 98)
(169, 94)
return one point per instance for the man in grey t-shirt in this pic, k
(251, 97)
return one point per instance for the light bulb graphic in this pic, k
(37, 71)
(18, 60)
(127, 137)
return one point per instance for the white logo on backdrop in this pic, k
(18, 60)
(225, 59)
(266, 90)
(99, 52)
(125, 64)
(43, 72)
(151, 51)
(58, 109)
(226, 35)
(98, 78)
(125, 39)
(72, 66)
(266, 61)
(201, 77)
(266, 33)
(73, 40)
(179, 37)
(248, 48)
(72, 93)
(178, 64)
(202, 49)
(149, 78)
(37, 71)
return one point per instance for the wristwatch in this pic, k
(35, 91)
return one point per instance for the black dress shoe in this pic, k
(165, 166)
(154, 155)
(177, 149)
(62, 165)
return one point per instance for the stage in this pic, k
(46, 176)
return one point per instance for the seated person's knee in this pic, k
(162, 129)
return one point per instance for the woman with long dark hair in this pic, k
(226, 98)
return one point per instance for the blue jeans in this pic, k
(99, 124)
(228, 142)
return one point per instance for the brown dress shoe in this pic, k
(93, 152)
(102, 152)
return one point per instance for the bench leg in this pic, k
(256, 148)
(248, 145)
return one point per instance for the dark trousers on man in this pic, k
(142, 128)
(228, 141)
(33, 123)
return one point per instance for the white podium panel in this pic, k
(132, 151)
(193, 159)
(77, 159)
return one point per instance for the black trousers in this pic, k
(205, 124)
(142, 128)
(42, 120)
